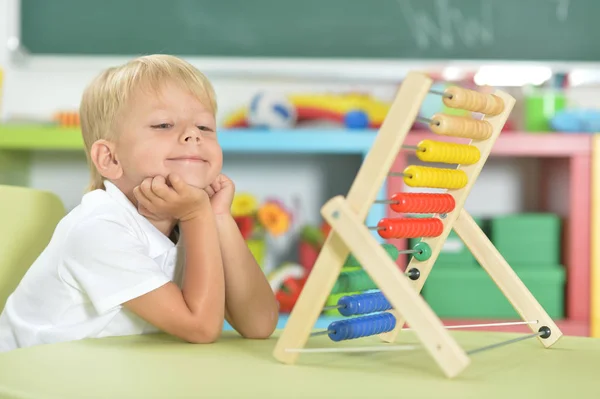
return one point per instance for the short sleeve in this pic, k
(110, 263)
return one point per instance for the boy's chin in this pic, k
(194, 181)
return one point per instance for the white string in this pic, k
(512, 323)
(357, 349)
(386, 348)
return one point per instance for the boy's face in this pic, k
(168, 132)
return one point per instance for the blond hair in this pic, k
(106, 97)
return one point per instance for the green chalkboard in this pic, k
(547, 30)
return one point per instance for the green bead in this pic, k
(391, 250)
(423, 251)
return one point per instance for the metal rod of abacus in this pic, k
(399, 174)
(387, 202)
(544, 332)
(412, 147)
(441, 93)
(428, 121)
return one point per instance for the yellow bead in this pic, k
(437, 151)
(423, 176)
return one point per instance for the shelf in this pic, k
(39, 137)
(307, 141)
(526, 144)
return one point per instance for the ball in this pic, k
(356, 119)
(271, 111)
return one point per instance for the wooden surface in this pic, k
(148, 367)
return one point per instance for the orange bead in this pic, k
(422, 203)
(410, 228)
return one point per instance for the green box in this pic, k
(458, 292)
(454, 251)
(528, 239)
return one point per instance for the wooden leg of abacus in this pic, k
(360, 198)
(451, 358)
(505, 277)
(460, 196)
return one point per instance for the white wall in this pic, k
(40, 88)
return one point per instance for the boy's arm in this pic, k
(196, 312)
(251, 307)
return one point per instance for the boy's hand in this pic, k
(221, 193)
(173, 200)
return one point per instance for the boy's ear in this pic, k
(104, 158)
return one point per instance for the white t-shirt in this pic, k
(102, 254)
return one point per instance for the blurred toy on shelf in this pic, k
(255, 220)
(576, 121)
(67, 118)
(310, 243)
(541, 108)
(272, 111)
(287, 282)
(259, 221)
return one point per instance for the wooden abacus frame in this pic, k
(348, 234)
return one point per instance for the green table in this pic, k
(159, 366)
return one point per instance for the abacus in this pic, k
(392, 298)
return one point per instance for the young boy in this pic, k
(152, 246)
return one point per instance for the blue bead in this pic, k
(361, 326)
(370, 302)
(356, 119)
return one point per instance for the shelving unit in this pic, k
(36, 137)
(560, 155)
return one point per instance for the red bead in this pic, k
(422, 203)
(409, 227)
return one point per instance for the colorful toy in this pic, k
(286, 282)
(397, 298)
(356, 111)
(254, 220)
(67, 118)
(312, 239)
(271, 111)
(576, 121)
